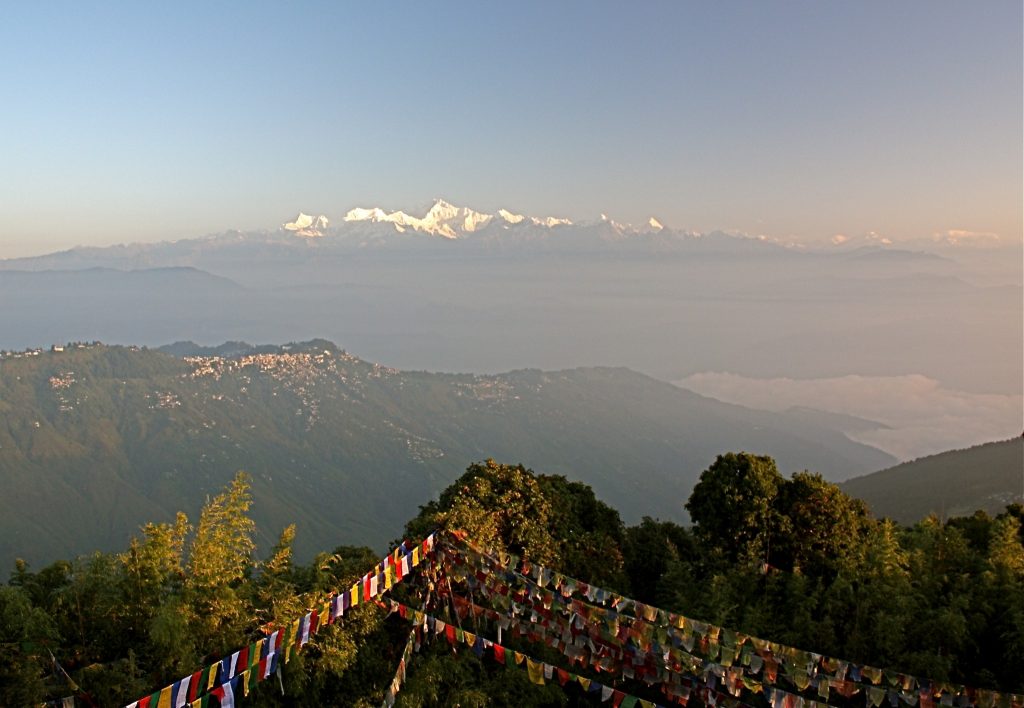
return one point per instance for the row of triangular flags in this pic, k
(653, 631)
(251, 664)
(625, 634)
(539, 672)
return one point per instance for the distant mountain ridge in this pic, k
(953, 483)
(98, 439)
(452, 288)
(444, 226)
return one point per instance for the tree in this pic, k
(588, 534)
(24, 633)
(651, 549)
(153, 572)
(1003, 591)
(822, 529)
(219, 559)
(501, 507)
(732, 507)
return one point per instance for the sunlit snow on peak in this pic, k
(510, 217)
(307, 226)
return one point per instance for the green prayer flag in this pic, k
(204, 680)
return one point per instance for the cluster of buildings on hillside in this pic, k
(56, 348)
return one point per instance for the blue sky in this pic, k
(147, 121)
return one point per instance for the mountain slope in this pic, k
(96, 440)
(953, 483)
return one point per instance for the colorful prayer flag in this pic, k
(535, 671)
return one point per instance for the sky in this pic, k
(797, 120)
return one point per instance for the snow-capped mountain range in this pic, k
(449, 231)
(374, 226)
(446, 220)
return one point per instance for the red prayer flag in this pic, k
(193, 686)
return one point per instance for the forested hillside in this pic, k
(772, 566)
(95, 441)
(953, 483)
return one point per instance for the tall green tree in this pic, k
(26, 633)
(499, 506)
(820, 529)
(732, 508)
(219, 560)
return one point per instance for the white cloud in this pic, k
(840, 239)
(924, 418)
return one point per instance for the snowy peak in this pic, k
(509, 217)
(359, 214)
(307, 226)
(447, 220)
(550, 221)
(652, 226)
(453, 222)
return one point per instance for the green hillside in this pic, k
(953, 483)
(97, 440)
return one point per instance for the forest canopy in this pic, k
(791, 560)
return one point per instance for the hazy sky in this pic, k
(147, 121)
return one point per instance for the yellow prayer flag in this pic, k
(520, 658)
(355, 595)
(415, 555)
(535, 670)
(584, 682)
(245, 682)
(291, 645)
(165, 698)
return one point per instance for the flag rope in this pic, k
(911, 689)
(648, 640)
